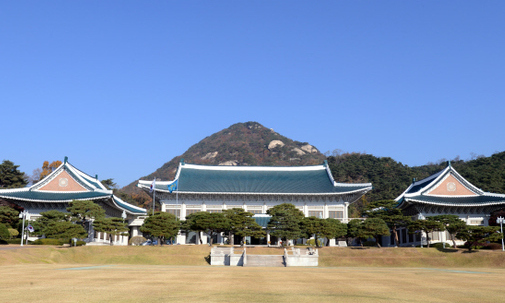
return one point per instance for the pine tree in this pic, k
(10, 176)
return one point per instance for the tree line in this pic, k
(287, 222)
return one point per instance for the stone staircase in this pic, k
(265, 261)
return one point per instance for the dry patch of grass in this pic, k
(162, 283)
(149, 255)
(409, 257)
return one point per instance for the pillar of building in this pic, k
(183, 212)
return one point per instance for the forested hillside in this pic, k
(390, 178)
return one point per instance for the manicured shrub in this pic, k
(4, 232)
(14, 233)
(137, 240)
(369, 243)
(312, 242)
(48, 242)
(493, 246)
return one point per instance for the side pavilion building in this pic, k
(255, 189)
(447, 193)
(66, 184)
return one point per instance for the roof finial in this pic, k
(325, 163)
(96, 177)
(413, 180)
(449, 163)
(182, 161)
(65, 160)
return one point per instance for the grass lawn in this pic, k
(180, 273)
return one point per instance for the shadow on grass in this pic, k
(447, 250)
(207, 259)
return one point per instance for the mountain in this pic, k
(391, 178)
(247, 143)
(251, 143)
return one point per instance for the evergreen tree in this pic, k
(83, 212)
(429, 225)
(322, 228)
(64, 230)
(9, 216)
(452, 223)
(373, 228)
(385, 210)
(285, 222)
(10, 176)
(161, 225)
(478, 234)
(4, 232)
(242, 224)
(111, 226)
(47, 217)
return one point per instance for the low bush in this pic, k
(14, 232)
(312, 242)
(369, 243)
(492, 246)
(48, 242)
(77, 243)
(137, 240)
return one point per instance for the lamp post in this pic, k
(421, 217)
(23, 215)
(500, 220)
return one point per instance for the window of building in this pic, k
(317, 214)
(214, 210)
(336, 214)
(176, 212)
(192, 211)
(255, 211)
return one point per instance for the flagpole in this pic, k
(154, 193)
(177, 198)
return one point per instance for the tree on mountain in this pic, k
(285, 222)
(478, 234)
(385, 210)
(9, 216)
(242, 224)
(109, 183)
(10, 176)
(452, 223)
(112, 226)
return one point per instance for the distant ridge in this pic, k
(248, 143)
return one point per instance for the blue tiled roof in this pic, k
(128, 206)
(44, 196)
(259, 181)
(469, 200)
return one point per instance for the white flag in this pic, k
(153, 185)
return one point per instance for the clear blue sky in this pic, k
(121, 87)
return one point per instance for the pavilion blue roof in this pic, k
(424, 192)
(89, 188)
(315, 179)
